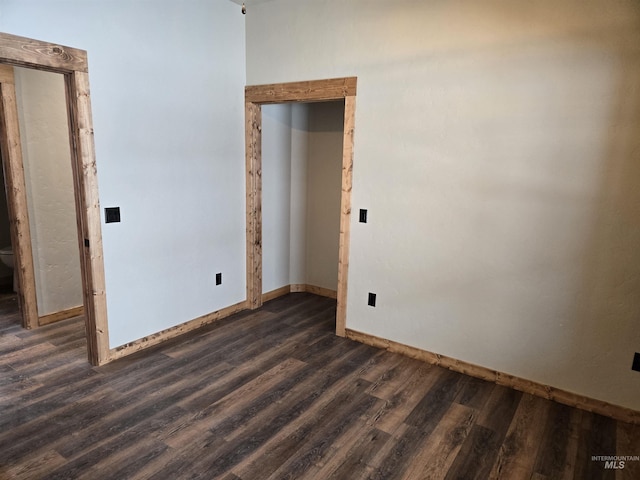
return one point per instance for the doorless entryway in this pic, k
(309, 91)
(72, 63)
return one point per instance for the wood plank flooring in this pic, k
(274, 394)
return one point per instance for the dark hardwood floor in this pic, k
(274, 394)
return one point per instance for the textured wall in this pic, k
(497, 150)
(44, 132)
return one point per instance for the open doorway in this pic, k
(342, 89)
(301, 190)
(72, 64)
(46, 159)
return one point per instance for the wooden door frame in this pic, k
(295, 92)
(17, 199)
(72, 64)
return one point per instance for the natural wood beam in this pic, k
(308, 91)
(26, 52)
(88, 216)
(253, 152)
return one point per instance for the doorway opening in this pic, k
(72, 64)
(339, 89)
(46, 159)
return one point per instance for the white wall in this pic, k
(276, 198)
(496, 149)
(46, 156)
(301, 185)
(167, 80)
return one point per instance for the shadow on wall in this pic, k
(532, 213)
(609, 306)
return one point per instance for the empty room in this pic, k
(320, 239)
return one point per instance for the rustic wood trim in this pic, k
(528, 386)
(345, 213)
(321, 291)
(88, 216)
(278, 292)
(25, 52)
(298, 288)
(169, 333)
(307, 91)
(6, 75)
(253, 152)
(61, 315)
(72, 63)
(17, 199)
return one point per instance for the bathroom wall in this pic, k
(497, 149)
(301, 184)
(49, 185)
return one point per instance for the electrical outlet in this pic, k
(218, 279)
(112, 215)
(363, 215)
(372, 299)
(636, 362)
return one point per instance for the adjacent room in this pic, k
(320, 239)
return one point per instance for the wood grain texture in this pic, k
(307, 91)
(26, 52)
(278, 292)
(273, 393)
(169, 333)
(6, 74)
(72, 63)
(345, 212)
(88, 217)
(544, 391)
(321, 291)
(17, 200)
(253, 153)
(299, 288)
(61, 315)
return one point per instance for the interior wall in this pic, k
(6, 273)
(46, 156)
(298, 199)
(276, 197)
(167, 94)
(324, 189)
(301, 186)
(497, 151)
